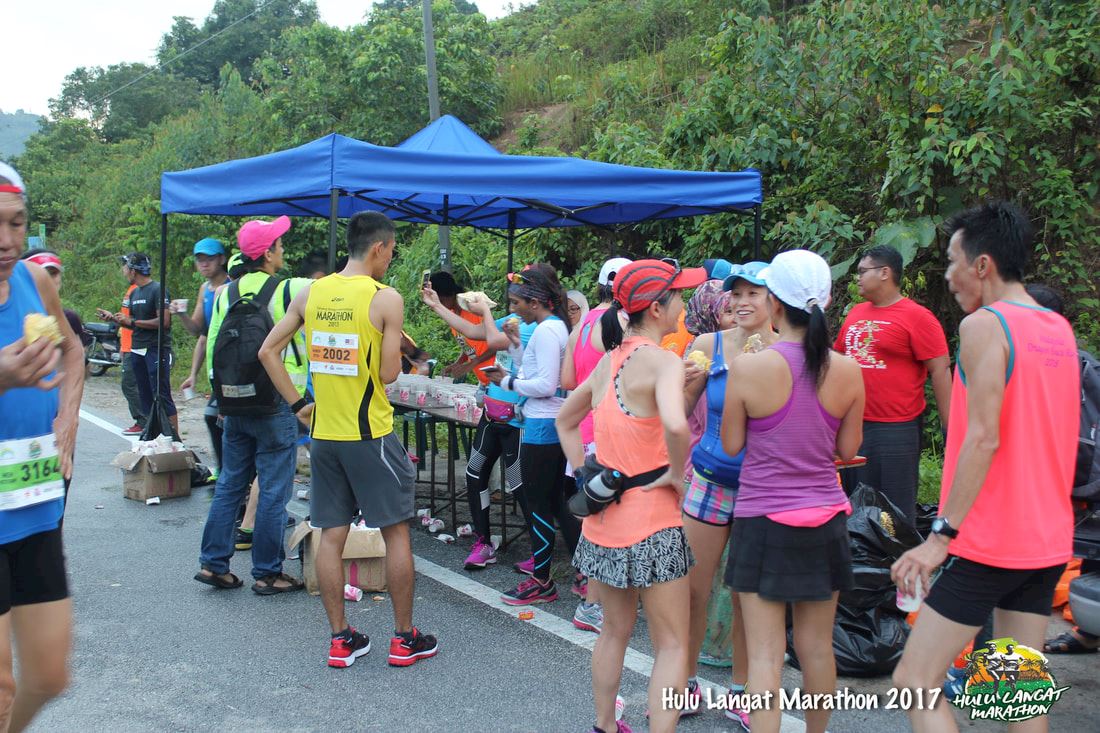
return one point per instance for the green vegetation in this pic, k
(870, 122)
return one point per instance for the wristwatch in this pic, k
(940, 525)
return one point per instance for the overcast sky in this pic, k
(47, 40)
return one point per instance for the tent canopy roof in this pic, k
(446, 174)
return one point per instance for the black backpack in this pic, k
(240, 382)
(1086, 477)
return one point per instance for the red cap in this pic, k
(47, 260)
(256, 237)
(645, 281)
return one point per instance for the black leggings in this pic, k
(544, 481)
(493, 440)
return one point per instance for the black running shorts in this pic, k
(32, 570)
(966, 592)
(375, 476)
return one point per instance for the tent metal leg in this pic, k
(756, 233)
(333, 211)
(511, 248)
(154, 420)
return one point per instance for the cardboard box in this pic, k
(364, 557)
(166, 475)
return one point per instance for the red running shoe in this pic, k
(405, 652)
(345, 649)
(134, 429)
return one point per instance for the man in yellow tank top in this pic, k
(353, 331)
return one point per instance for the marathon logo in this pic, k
(334, 316)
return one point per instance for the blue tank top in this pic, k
(708, 459)
(27, 412)
(208, 305)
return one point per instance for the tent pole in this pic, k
(153, 426)
(511, 244)
(756, 232)
(445, 237)
(333, 210)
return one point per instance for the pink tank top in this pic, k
(1023, 518)
(585, 359)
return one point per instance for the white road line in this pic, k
(635, 660)
(109, 427)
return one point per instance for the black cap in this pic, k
(443, 283)
(137, 261)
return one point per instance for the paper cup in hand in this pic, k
(909, 603)
(179, 305)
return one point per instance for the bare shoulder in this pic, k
(389, 298)
(845, 366)
(980, 322)
(756, 364)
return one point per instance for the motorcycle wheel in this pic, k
(94, 369)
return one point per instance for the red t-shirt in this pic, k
(892, 344)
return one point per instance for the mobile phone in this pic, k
(427, 279)
(490, 368)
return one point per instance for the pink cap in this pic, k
(256, 236)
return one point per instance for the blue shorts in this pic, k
(710, 503)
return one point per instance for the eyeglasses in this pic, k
(861, 271)
(574, 308)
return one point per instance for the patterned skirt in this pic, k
(662, 557)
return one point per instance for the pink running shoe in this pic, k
(580, 587)
(531, 591)
(740, 716)
(527, 567)
(481, 555)
(620, 727)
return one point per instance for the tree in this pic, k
(123, 99)
(237, 32)
(369, 81)
(464, 7)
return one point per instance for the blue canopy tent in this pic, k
(447, 175)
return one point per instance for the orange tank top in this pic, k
(1022, 518)
(632, 446)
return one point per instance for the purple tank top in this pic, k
(789, 454)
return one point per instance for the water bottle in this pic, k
(597, 491)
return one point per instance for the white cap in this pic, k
(607, 272)
(6, 171)
(800, 278)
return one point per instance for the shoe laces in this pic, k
(526, 585)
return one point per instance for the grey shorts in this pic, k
(373, 476)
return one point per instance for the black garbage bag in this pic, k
(879, 534)
(867, 643)
(879, 531)
(926, 513)
(201, 476)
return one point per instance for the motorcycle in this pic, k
(103, 349)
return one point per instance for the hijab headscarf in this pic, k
(702, 311)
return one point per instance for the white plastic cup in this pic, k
(179, 305)
(465, 531)
(435, 525)
(910, 603)
(188, 394)
(351, 593)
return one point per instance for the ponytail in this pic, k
(815, 338)
(611, 331)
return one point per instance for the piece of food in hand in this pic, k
(700, 359)
(468, 299)
(753, 344)
(38, 325)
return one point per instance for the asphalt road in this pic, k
(157, 651)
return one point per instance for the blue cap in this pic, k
(749, 271)
(208, 246)
(717, 269)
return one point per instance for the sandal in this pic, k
(1067, 643)
(218, 581)
(265, 586)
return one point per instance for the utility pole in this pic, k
(433, 113)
